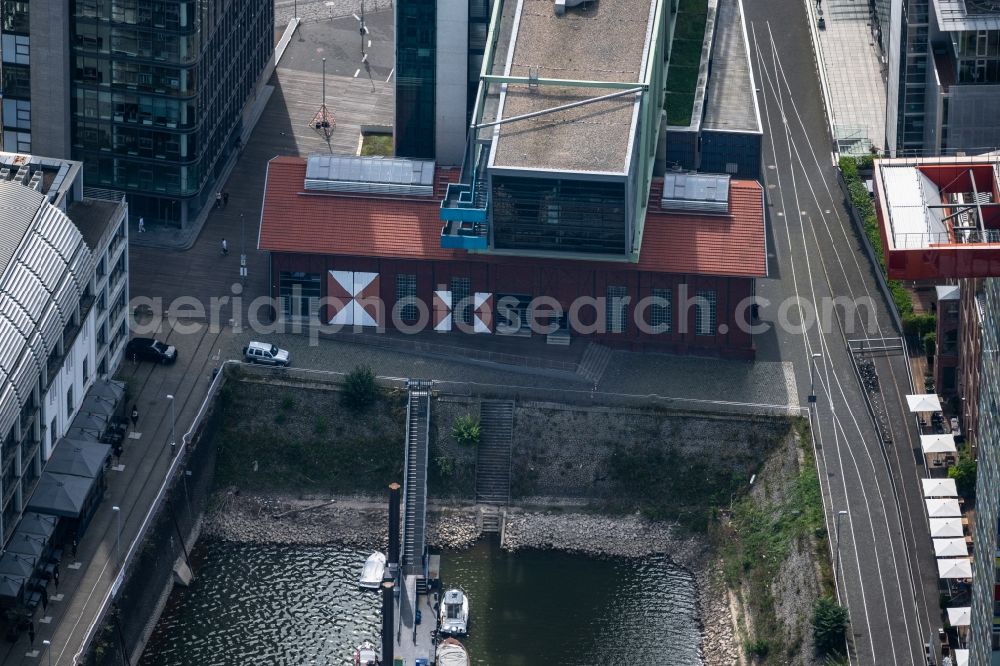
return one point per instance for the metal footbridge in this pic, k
(416, 618)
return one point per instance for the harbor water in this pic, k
(271, 605)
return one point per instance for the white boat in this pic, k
(454, 613)
(371, 575)
(365, 655)
(451, 653)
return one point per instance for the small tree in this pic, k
(964, 474)
(930, 345)
(466, 430)
(829, 622)
(360, 390)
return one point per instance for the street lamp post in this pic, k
(243, 249)
(48, 648)
(836, 564)
(812, 376)
(173, 442)
(118, 534)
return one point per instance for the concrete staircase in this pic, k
(594, 362)
(489, 520)
(496, 422)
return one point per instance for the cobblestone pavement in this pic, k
(319, 10)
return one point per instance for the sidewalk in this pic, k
(854, 89)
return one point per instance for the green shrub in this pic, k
(360, 390)
(757, 648)
(466, 430)
(287, 403)
(901, 297)
(849, 168)
(964, 474)
(321, 425)
(829, 622)
(280, 418)
(919, 325)
(445, 466)
(930, 345)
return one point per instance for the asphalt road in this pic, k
(886, 572)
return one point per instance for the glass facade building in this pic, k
(149, 93)
(984, 639)
(416, 67)
(158, 92)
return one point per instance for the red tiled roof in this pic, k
(730, 244)
(409, 227)
(324, 223)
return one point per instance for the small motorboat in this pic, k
(454, 613)
(371, 575)
(451, 653)
(365, 655)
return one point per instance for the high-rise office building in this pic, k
(149, 94)
(439, 53)
(943, 77)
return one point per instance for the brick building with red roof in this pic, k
(362, 242)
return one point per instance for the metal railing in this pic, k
(534, 393)
(914, 241)
(134, 547)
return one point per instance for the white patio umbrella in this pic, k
(938, 444)
(923, 402)
(960, 617)
(953, 547)
(955, 567)
(943, 507)
(939, 487)
(946, 527)
(961, 658)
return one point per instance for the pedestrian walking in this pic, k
(225, 199)
(225, 248)
(218, 199)
(55, 576)
(73, 547)
(31, 633)
(135, 416)
(142, 226)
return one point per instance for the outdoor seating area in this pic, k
(950, 533)
(939, 438)
(69, 490)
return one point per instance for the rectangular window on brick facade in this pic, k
(615, 309)
(661, 311)
(461, 301)
(406, 288)
(705, 313)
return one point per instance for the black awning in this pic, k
(78, 458)
(16, 564)
(32, 545)
(11, 586)
(86, 421)
(107, 389)
(37, 523)
(94, 404)
(60, 494)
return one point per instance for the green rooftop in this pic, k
(685, 59)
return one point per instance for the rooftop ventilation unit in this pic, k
(696, 193)
(36, 181)
(370, 175)
(5, 173)
(23, 174)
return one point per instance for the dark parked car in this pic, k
(148, 349)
